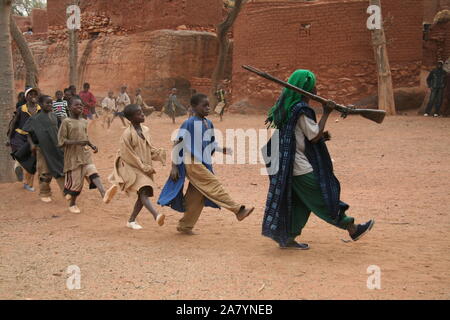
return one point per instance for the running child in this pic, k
(133, 167)
(192, 159)
(17, 137)
(42, 136)
(78, 165)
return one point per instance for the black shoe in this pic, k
(362, 229)
(19, 173)
(295, 246)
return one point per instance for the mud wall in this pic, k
(154, 61)
(144, 15)
(329, 38)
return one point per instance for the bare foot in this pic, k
(186, 232)
(244, 213)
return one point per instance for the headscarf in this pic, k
(281, 112)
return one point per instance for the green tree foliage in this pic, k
(24, 7)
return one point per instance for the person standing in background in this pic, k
(89, 101)
(437, 81)
(122, 101)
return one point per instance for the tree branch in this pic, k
(31, 79)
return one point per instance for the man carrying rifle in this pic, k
(305, 181)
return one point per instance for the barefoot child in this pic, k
(121, 102)
(42, 136)
(78, 165)
(109, 107)
(133, 168)
(141, 103)
(197, 144)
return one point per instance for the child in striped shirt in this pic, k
(60, 107)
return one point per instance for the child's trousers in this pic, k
(45, 178)
(203, 183)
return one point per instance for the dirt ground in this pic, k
(397, 173)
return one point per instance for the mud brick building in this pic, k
(328, 37)
(144, 15)
(159, 44)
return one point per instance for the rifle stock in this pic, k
(370, 114)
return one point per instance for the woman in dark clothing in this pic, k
(17, 137)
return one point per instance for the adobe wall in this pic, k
(143, 15)
(155, 61)
(39, 20)
(327, 37)
(431, 7)
(23, 22)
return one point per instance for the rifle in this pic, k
(373, 115)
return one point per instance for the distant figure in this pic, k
(222, 102)
(122, 101)
(21, 99)
(109, 107)
(437, 81)
(60, 107)
(73, 90)
(67, 95)
(138, 100)
(190, 110)
(89, 102)
(173, 107)
(29, 31)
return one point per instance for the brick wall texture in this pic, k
(144, 15)
(327, 37)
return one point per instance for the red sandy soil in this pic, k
(397, 173)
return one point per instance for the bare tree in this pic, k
(25, 7)
(31, 78)
(6, 89)
(386, 100)
(224, 46)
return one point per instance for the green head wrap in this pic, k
(281, 112)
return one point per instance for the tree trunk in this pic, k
(73, 57)
(31, 78)
(224, 46)
(386, 100)
(6, 90)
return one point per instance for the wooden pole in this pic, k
(386, 99)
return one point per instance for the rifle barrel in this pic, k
(374, 115)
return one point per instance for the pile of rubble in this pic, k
(91, 24)
(197, 28)
(210, 28)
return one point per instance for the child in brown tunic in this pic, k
(133, 167)
(78, 165)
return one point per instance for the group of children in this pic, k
(59, 148)
(51, 137)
